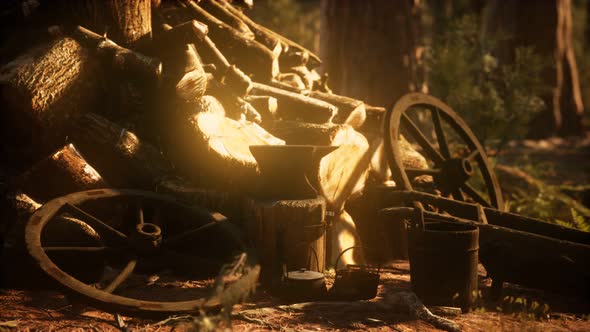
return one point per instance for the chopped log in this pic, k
(308, 77)
(62, 173)
(292, 106)
(208, 103)
(350, 111)
(237, 82)
(215, 150)
(248, 54)
(288, 60)
(292, 80)
(269, 37)
(341, 173)
(128, 23)
(342, 235)
(261, 35)
(373, 119)
(224, 15)
(266, 106)
(122, 59)
(119, 155)
(286, 232)
(193, 84)
(41, 92)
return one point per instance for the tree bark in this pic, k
(42, 91)
(548, 28)
(368, 47)
(119, 155)
(127, 23)
(62, 173)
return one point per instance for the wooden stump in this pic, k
(283, 231)
(41, 92)
(62, 173)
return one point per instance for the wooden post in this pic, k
(287, 232)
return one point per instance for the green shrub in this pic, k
(496, 99)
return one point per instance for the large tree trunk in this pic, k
(548, 28)
(368, 48)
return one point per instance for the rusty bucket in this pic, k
(443, 261)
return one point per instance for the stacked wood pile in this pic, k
(168, 96)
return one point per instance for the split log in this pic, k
(122, 59)
(374, 119)
(193, 83)
(292, 80)
(341, 173)
(248, 54)
(42, 91)
(224, 15)
(308, 77)
(287, 232)
(293, 106)
(342, 235)
(215, 149)
(62, 173)
(350, 111)
(288, 60)
(119, 155)
(266, 106)
(269, 37)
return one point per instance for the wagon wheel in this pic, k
(456, 160)
(141, 233)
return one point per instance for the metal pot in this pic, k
(304, 285)
(354, 282)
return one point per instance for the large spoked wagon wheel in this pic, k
(141, 234)
(457, 162)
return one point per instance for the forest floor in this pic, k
(556, 162)
(50, 311)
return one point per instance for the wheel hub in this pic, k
(454, 173)
(147, 238)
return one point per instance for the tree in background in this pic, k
(548, 27)
(369, 48)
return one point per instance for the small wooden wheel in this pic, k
(142, 233)
(457, 162)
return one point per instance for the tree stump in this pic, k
(287, 232)
(62, 173)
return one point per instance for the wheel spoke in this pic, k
(77, 249)
(473, 155)
(96, 223)
(429, 149)
(458, 195)
(414, 172)
(121, 277)
(440, 135)
(474, 194)
(139, 213)
(180, 238)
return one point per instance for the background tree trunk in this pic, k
(548, 28)
(368, 48)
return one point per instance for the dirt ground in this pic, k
(23, 310)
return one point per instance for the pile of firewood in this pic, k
(168, 97)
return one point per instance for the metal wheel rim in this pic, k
(95, 297)
(391, 131)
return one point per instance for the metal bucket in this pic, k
(443, 262)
